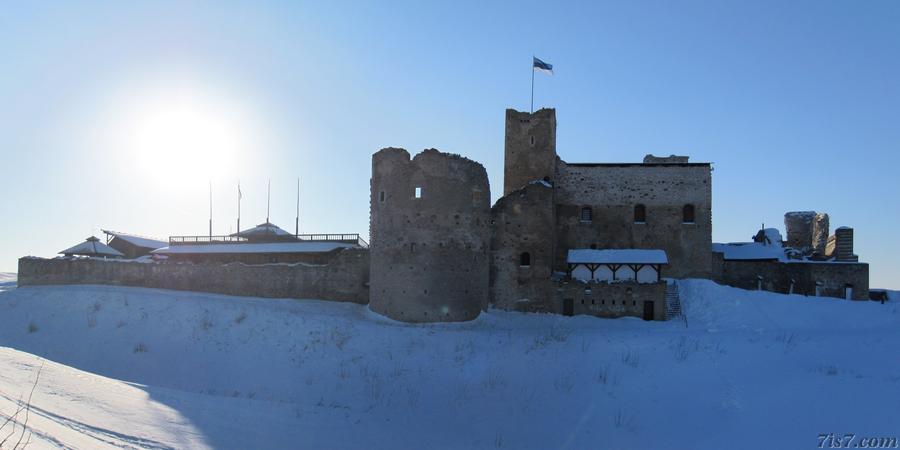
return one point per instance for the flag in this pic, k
(542, 66)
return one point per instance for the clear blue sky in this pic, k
(796, 104)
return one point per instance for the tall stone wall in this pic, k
(430, 255)
(831, 277)
(523, 224)
(613, 190)
(529, 148)
(344, 279)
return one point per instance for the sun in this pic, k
(184, 138)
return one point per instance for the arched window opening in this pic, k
(640, 214)
(587, 214)
(688, 214)
(525, 259)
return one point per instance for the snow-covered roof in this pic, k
(266, 247)
(139, 241)
(749, 251)
(617, 256)
(263, 229)
(91, 247)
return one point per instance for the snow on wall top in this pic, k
(267, 247)
(91, 247)
(750, 251)
(138, 240)
(617, 256)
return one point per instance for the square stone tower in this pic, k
(530, 148)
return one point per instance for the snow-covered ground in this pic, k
(129, 367)
(7, 280)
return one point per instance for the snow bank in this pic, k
(200, 370)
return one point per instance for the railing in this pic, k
(347, 238)
(191, 240)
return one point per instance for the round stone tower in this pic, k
(430, 237)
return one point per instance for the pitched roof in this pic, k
(138, 241)
(91, 247)
(617, 256)
(263, 229)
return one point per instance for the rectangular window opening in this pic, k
(418, 192)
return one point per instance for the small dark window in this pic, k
(587, 214)
(532, 140)
(688, 214)
(418, 192)
(640, 214)
(381, 196)
(525, 259)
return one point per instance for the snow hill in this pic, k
(142, 368)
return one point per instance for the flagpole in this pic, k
(268, 199)
(239, 209)
(297, 219)
(210, 210)
(532, 84)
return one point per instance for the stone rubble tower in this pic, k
(430, 236)
(807, 232)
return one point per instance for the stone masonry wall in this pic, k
(523, 222)
(529, 148)
(613, 191)
(430, 255)
(344, 279)
(613, 299)
(776, 277)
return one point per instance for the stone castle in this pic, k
(585, 238)
(570, 238)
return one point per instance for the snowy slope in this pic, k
(164, 369)
(7, 279)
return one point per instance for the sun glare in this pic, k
(183, 139)
(179, 135)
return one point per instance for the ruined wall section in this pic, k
(613, 190)
(529, 148)
(807, 231)
(831, 277)
(344, 279)
(523, 226)
(430, 255)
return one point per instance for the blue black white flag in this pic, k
(542, 66)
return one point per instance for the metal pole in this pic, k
(297, 219)
(532, 84)
(268, 199)
(210, 210)
(239, 208)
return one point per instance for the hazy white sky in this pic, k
(118, 115)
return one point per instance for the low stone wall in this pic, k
(608, 300)
(344, 279)
(614, 299)
(832, 277)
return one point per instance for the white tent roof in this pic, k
(91, 247)
(268, 247)
(263, 229)
(138, 240)
(617, 256)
